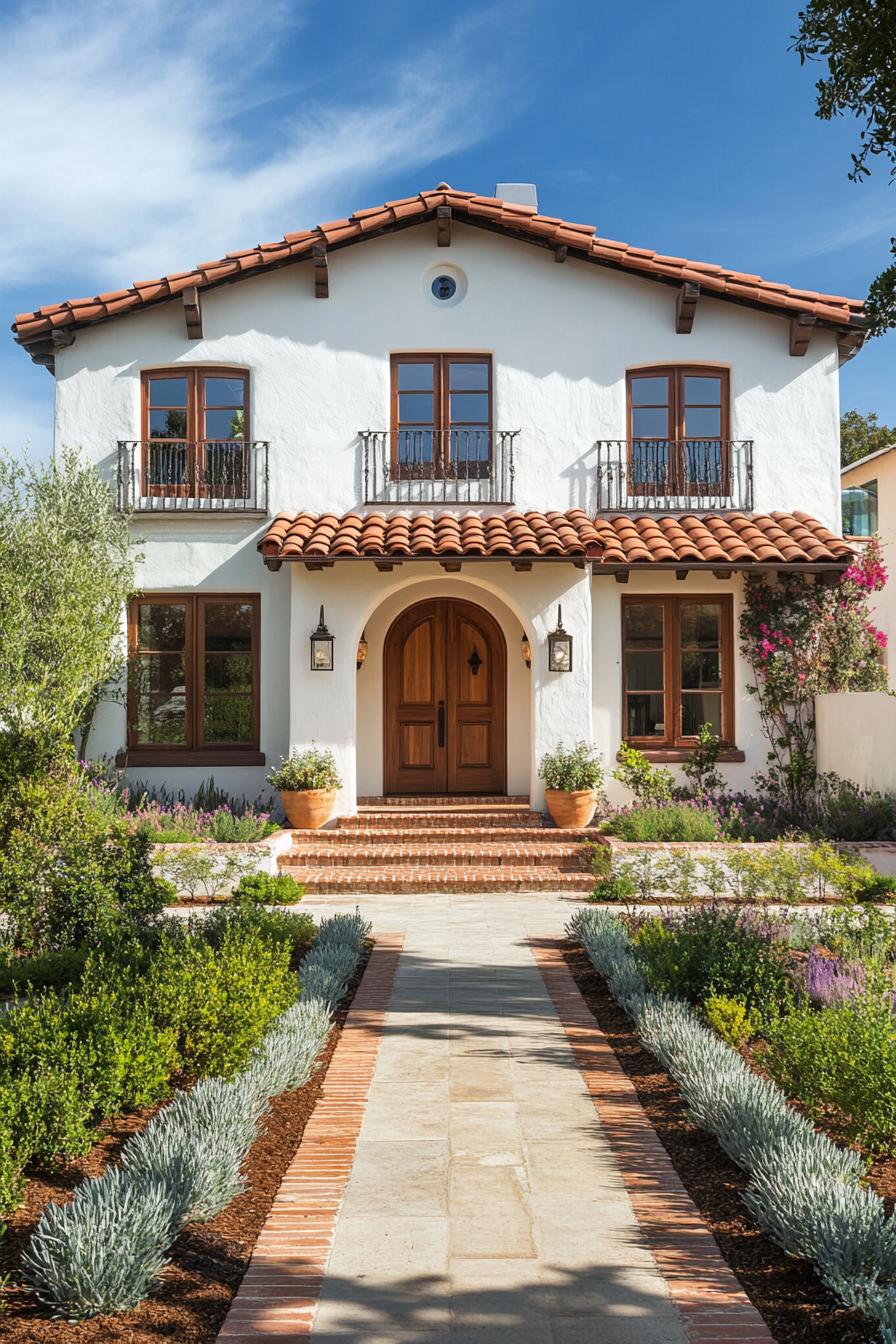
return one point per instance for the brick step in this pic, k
(464, 818)
(351, 881)
(569, 857)
(445, 800)
(465, 835)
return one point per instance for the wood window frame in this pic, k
(674, 745)
(442, 361)
(194, 438)
(194, 751)
(675, 374)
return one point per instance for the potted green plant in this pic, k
(573, 778)
(308, 782)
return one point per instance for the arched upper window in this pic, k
(678, 430)
(195, 424)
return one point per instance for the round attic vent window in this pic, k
(444, 287)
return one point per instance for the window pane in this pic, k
(703, 422)
(702, 390)
(649, 424)
(415, 407)
(228, 718)
(701, 625)
(644, 671)
(161, 625)
(644, 716)
(161, 698)
(701, 671)
(860, 510)
(415, 377)
(225, 424)
(228, 672)
(468, 377)
(470, 406)
(167, 391)
(224, 391)
(643, 625)
(650, 391)
(228, 626)
(697, 709)
(167, 424)
(414, 445)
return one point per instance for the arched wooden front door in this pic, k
(445, 680)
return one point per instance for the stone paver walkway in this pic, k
(490, 1199)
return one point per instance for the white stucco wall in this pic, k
(561, 338)
(856, 733)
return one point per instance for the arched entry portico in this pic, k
(445, 700)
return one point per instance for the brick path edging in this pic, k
(279, 1293)
(713, 1307)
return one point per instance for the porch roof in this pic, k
(730, 540)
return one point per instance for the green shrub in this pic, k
(572, 769)
(663, 822)
(68, 875)
(49, 970)
(704, 951)
(650, 784)
(268, 889)
(842, 1058)
(202, 872)
(290, 928)
(229, 829)
(309, 769)
(219, 999)
(729, 1019)
(700, 767)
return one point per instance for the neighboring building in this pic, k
(868, 497)
(441, 421)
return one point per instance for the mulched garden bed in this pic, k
(795, 1305)
(207, 1261)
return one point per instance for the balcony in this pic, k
(210, 476)
(655, 475)
(426, 466)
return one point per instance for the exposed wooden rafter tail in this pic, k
(321, 271)
(686, 306)
(560, 253)
(801, 328)
(443, 226)
(193, 314)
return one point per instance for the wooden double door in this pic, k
(445, 684)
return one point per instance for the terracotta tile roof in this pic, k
(504, 216)
(732, 539)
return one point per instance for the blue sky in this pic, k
(145, 138)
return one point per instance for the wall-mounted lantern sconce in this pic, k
(362, 651)
(526, 649)
(321, 647)
(559, 647)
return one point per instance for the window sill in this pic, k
(161, 756)
(673, 755)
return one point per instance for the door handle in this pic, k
(441, 722)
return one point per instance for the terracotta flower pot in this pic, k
(308, 809)
(570, 809)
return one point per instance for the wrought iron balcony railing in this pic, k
(426, 466)
(207, 476)
(674, 474)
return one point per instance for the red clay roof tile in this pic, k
(778, 538)
(32, 329)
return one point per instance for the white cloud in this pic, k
(135, 142)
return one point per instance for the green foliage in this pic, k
(268, 889)
(293, 929)
(229, 829)
(841, 1058)
(66, 571)
(652, 785)
(572, 769)
(69, 876)
(202, 872)
(663, 822)
(861, 435)
(609, 885)
(312, 768)
(49, 970)
(729, 1019)
(705, 952)
(700, 767)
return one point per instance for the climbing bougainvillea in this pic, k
(804, 636)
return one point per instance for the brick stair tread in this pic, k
(358, 880)
(571, 855)
(478, 835)
(439, 817)
(445, 800)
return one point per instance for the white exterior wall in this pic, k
(856, 733)
(561, 338)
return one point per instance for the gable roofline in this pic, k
(869, 457)
(47, 328)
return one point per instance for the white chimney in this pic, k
(520, 193)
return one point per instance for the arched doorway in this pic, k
(444, 700)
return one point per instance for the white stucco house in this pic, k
(430, 427)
